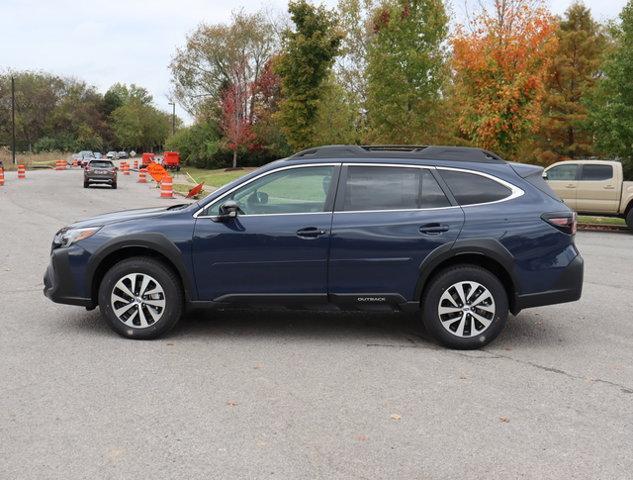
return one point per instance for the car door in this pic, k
(563, 178)
(276, 246)
(597, 189)
(387, 219)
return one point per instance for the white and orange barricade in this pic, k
(1, 176)
(166, 187)
(21, 172)
(60, 165)
(142, 175)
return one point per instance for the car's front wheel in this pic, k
(629, 219)
(141, 298)
(465, 307)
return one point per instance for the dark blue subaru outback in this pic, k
(457, 234)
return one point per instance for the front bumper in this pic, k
(58, 281)
(568, 288)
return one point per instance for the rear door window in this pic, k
(471, 189)
(371, 188)
(595, 172)
(568, 171)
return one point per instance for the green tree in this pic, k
(611, 107)
(140, 126)
(406, 70)
(306, 61)
(336, 117)
(572, 76)
(221, 54)
(354, 17)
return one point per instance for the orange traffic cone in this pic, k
(1, 176)
(60, 165)
(135, 164)
(74, 163)
(126, 168)
(142, 175)
(21, 172)
(166, 187)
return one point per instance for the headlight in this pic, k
(67, 236)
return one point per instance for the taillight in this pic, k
(565, 222)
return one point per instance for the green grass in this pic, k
(591, 220)
(216, 178)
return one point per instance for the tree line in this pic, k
(54, 113)
(513, 78)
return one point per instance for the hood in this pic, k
(116, 217)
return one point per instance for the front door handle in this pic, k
(608, 187)
(310, 232)
(434, 229)
(571, 185)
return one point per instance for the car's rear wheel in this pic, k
(141, 298)
(465, 307)
(114, 185)
(86, 184)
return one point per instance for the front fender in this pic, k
(153, 242)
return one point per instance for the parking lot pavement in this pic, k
(295, 395)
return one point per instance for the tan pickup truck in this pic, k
(594, 187)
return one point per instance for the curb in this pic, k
(592, 227)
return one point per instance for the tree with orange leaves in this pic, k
(500, 61)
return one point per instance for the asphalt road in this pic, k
(295, 395)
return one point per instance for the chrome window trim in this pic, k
(263, 174)
(516, 192)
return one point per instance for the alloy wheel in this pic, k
(466, 309)
(138, 300)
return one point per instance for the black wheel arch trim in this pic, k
(486, 248)
(155, 242)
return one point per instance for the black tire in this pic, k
(86, 184)
(168, 281)
(629, 219)
(432, 296)
(114, 186)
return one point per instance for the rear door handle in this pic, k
(434, 229)
(310, 232)
(571, 185)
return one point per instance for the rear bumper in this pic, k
(58, 283)
(100, 178)
(568, 288)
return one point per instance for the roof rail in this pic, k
(422, 152)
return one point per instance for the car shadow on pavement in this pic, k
(399, 330)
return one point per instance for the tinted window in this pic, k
(297, 190)
(391, 188)
(563, 172)
(101, 164)
(597, 172)
(469, 188)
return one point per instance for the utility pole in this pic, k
(173, 117)
(13, 118)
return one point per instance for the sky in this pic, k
(106, 41)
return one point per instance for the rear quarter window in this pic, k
(472, 189)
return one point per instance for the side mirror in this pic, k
(229, 209)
